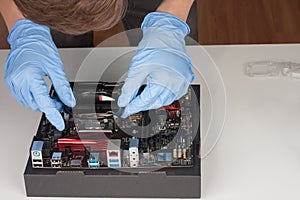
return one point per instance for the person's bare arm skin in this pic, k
(10, 13)
(179, 8)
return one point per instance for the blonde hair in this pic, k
(74, 16)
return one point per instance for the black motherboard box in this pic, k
(154, 153)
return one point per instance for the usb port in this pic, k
(37, 160)
(114, 165)
(37, 165)
(56, 166)
(94, 165)
(113, 160)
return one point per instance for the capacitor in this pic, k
(184, 153)
(189, 153)
(175, 153)
(187, 97)
(134, 132)
(66, 116)
(179, 152)
(178, 113)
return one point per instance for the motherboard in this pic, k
(96, 137)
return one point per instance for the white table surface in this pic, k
(257, 156)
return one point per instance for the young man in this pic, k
(160, 58)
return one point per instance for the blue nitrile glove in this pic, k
(161, 58)
(33, 56)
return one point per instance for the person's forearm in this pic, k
(10, 13)
(179, 8)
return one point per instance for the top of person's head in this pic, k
(74, 16)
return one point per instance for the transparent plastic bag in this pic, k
(272, 69)
(262, 69)
(291, 70)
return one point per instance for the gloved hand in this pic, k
(161, 58)
(33, 55)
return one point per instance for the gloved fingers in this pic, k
(55, 118)
(153, 96)
(58, 104)
(131, 87)
(66, 95)
(62, 86)
(27, 99)
(46, 104)
(16, 94)
(20, 90)
(8, 79)
(167, 97)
